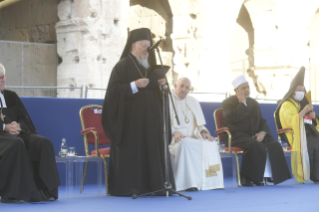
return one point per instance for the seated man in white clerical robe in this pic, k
(194, 154)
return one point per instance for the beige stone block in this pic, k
(3, 17)
(65, 10)
(2, 32)
(14, 18)
(179, 7)
(45, 13)
(39, 34)
(14, 35)
(79, 8)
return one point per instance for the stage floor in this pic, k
(286, 197)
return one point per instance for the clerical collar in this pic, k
(3, 101)
(176, 97)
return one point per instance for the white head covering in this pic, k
(183, 77)
(238, 81)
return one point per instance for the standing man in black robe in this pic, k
(132, 119)
(28, 171)
(263, 156)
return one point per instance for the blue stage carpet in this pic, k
(293, 197)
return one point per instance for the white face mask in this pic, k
(299, 95)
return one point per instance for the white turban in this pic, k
(238, 81)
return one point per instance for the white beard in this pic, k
(143, 62)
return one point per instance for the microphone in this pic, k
(150, 49)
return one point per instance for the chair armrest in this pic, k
(221, 130)
(96, 138)
(87, 130)
(225, 130)
(284, 130)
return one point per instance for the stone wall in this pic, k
(281, 37)
(210, 42)
(90, 37)
(32, 61)
(28, 20)
(197, 37)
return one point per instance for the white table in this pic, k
(74, 174)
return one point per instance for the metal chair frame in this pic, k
(282, 131)
(84, 133)
(230, 151)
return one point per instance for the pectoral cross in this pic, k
(2, 116)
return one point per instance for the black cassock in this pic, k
(312, 145)
(27, 161)
(244, 122)
(134, 124)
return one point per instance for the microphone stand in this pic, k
(167, 184)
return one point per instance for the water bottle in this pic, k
(64, 148)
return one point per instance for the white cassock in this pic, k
(196, 162)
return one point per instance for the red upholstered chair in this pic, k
(219, 132)
(282, 131)
(93, 133)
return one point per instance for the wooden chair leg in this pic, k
(84, 175)
(238, 172)
(105, 173)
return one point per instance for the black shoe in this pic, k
(245, 182)
(257, 183)
(269, 180)
(192, 189)
(12, 201)
(47, 197)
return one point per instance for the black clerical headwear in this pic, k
(138, 35)
(297, 80)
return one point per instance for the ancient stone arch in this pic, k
(196, 35)
(241, 49)
(280, 42)
(198, 40)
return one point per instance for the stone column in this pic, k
(90, 38)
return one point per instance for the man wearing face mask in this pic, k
(263, 157)
(297, 113)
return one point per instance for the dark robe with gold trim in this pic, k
(244, 122)
(27, 161)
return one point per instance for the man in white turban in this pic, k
(194, 153)
(263, 157)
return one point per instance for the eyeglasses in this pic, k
(143, 47)
(4, 77)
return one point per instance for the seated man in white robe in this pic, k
(194, 154)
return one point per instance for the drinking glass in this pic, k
(71, 151)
